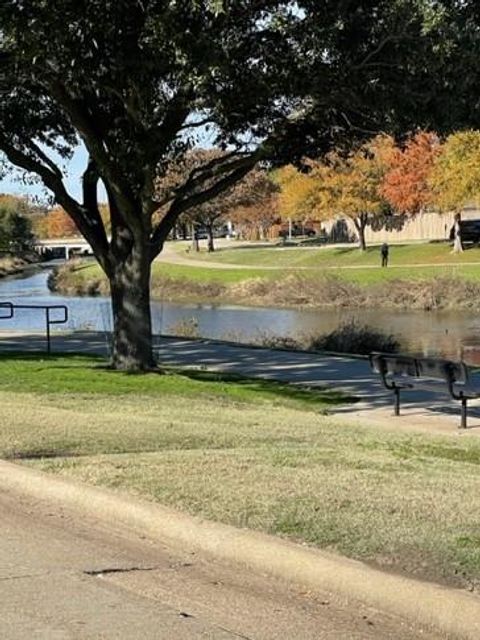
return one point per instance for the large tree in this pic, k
(139, 82)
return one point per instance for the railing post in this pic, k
(397, 401)
(47, 318)
(463, 423)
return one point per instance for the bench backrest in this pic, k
(388, 364)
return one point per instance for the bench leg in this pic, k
(397, 402)
(463, 423)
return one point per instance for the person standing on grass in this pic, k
(384, 249)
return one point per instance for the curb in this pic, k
(452, 612)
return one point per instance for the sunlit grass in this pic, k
(252, 454)
(323, 256)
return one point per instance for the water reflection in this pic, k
(434, 333)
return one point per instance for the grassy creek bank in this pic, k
(440, 289)
(11, 265)
(252, 454)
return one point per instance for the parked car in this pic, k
(297, 230)
(469, 231)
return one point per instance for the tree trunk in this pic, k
(132, 325)
(195, 244)
(360, 224)
(210, 245)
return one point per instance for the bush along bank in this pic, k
(11, 265)
(291, 290)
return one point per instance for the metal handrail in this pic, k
(48, 320)
(9, 306)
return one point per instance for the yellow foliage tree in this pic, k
(346, 186)
(296, 190)
(455, 178)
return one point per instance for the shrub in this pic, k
(270, 341)
(352, 337)
(185, 328)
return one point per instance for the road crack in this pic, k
(101, 572)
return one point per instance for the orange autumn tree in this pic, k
(58, 224)
(254, 221)
(406, 183)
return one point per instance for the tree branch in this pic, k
(381, 45)
(176, 113)
(90, 198)
(43, 156)
(94, 234)
(181, 204)
(95, 145)
(198, 123)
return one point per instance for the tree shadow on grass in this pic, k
(311, 396)
(39, 454)
(305, 394)
(53, 358)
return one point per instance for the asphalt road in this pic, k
(66, 576)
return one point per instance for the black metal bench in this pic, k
(408, 372)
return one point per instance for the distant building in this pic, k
(421, 227)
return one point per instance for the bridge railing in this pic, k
(47, 308)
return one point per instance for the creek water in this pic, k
(446, 334)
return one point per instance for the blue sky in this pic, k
(74, 170)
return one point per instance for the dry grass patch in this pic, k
(405, 502)
(416, 517)
(85, 425)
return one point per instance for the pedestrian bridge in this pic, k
(64, 247)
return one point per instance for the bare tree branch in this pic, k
(181, 204)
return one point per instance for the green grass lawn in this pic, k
(252, 454)
(407, 262)
(89, 271)
(368, 276)
(325, 256)
(90, 376)
(436, 261)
